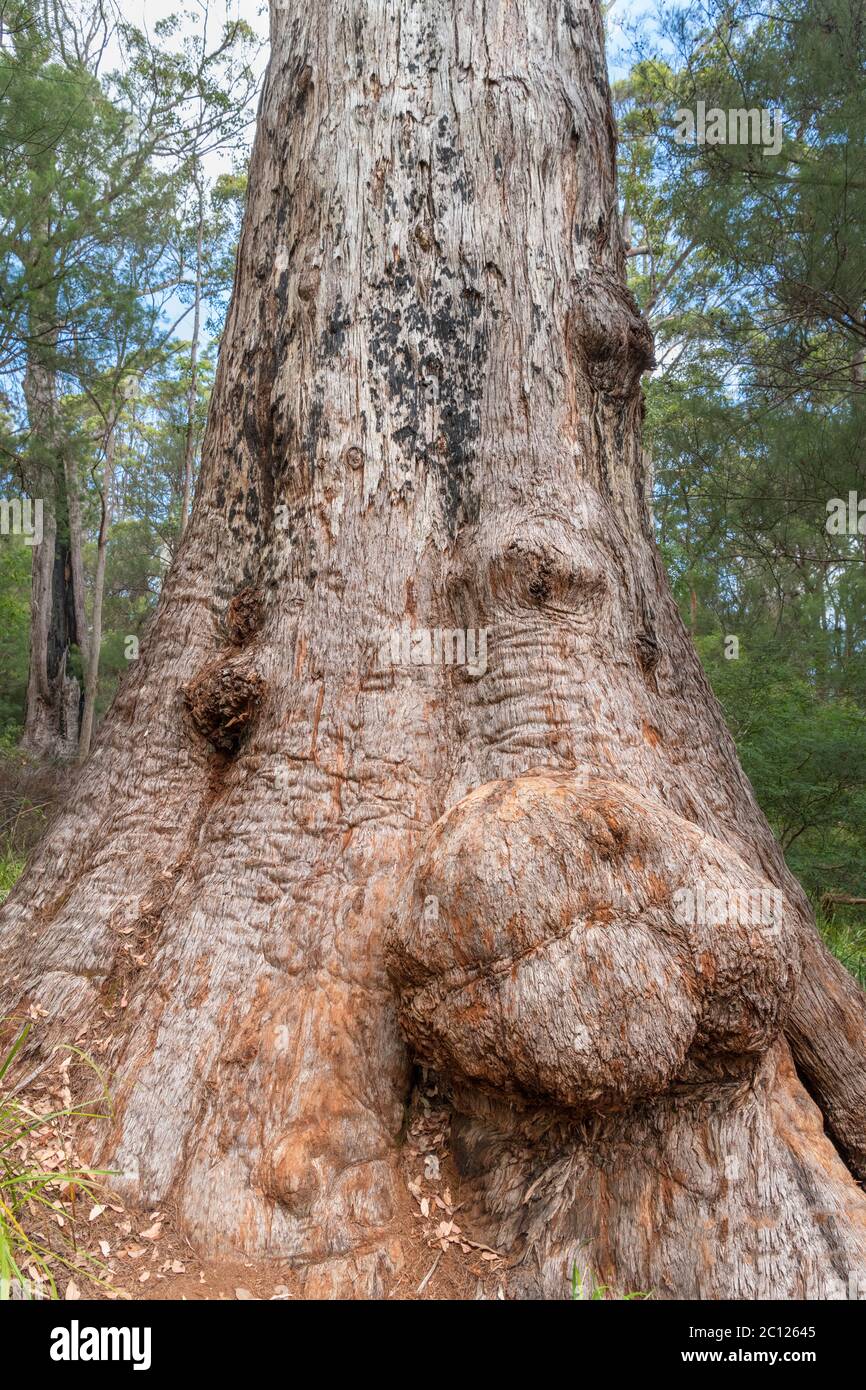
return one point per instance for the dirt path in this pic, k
(113, 1252)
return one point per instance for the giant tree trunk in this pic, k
(290, 852)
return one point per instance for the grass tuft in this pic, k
(11, 868)
(585, 1289)
(29, 1194)
(845, 933)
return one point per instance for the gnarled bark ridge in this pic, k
(623, 1096)
(426, 421)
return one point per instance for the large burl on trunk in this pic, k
(301, 861)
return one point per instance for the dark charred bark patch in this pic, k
(452, 321)
(244, 615)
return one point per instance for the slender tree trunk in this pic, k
(51, 716)
(858, 361)
(76, 552)
(294, 850)
(91, 680)
(192, 393)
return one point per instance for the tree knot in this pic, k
(612, 340)
(569, 941)
(222, 700)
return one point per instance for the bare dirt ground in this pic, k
(109, 1251)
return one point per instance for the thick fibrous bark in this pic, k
(427, 417)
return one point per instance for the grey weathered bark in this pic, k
(427, 414)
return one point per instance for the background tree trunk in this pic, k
(192, 392)
(427, 416)
(51, 716)
(91, 677)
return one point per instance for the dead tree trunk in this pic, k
(418, 745)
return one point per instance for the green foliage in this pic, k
(84, 208)
(109, 228)
(752, 268)
(11, 868)
(804, 752)
(845, 934)
(15, 561)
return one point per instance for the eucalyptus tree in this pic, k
(297, 861)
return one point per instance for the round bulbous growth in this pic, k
(604, 986)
